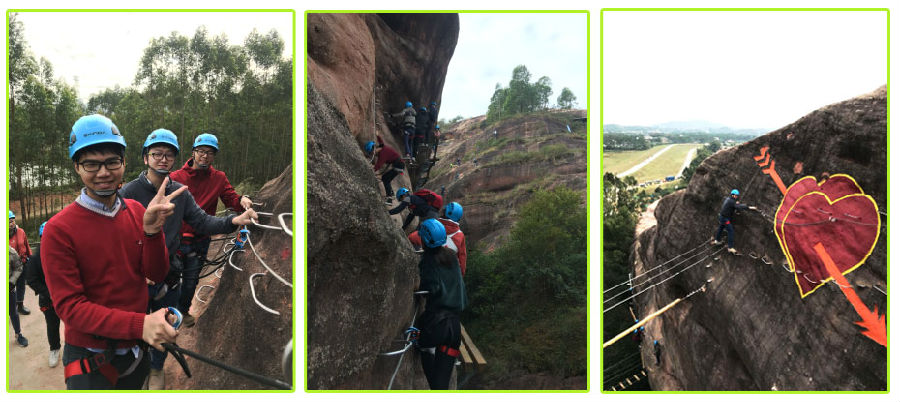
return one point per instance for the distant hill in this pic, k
(675, 127)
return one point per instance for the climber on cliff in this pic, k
(435, 139)
(389, 161)
(726, 215)
(422, 123)
(418, 206)
(440, 334)
(657, 350)
(208, 186)
(408, 128)
(450, 216)
(432, 117)
(159, 153)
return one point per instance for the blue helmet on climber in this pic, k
(453, 211)
(370, 146)
(432, 233)
(408, 104)
(401, 193)
(735, 192)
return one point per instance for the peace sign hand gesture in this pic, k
(159, 208)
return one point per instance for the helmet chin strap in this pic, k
(198, 165)
(161, 172)
(102, 193)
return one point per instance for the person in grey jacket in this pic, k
(159, 152)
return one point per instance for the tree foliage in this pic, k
(190, 85)
(703, 153)
(521, 96)
(528, 298)
(566, 99)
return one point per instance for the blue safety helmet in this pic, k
(401, 192)
(408, 104)
(370, 146)
(433, 103)
(161, 136)
(735, 192)
(438, 127)
(11, 214)
(453, 211)
(656, 342)
(423, 108)
(432, 233)
(41, 229)
(208, 140)
(92, 130)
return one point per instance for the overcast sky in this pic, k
(490, 46)
(104, 49)
(740, 69)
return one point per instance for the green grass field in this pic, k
(667, 164)
(620, 161)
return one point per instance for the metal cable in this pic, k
(705, 242)
(652, 277)
(664, 280)
(275, 274)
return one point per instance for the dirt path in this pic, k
(29, 368)
(637, 167)
(687, 161)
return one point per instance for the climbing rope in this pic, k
(663, 281)
(705, 242)
(618, 363)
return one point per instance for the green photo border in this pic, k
(293, 194)
(887, 234)
(588, 197)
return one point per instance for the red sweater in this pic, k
(459, 239)
(207, 186)
(20, 242)
(96, 268)
(387, 155)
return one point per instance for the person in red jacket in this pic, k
(450, 217)
(390, 160)
(19, 242)
(208, 186)
(97, 254)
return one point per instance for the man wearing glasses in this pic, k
(159, 153)
(97, 254)
(208, 186)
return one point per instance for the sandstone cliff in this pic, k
(361, 270)
(751, 329)
(498, 174)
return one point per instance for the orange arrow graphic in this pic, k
(873, 324)
(777, 179)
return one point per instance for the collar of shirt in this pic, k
(97, 206)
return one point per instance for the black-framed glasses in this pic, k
(159, 156)
(94, 166)
(205, 153)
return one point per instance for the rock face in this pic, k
(369, 64)
(234, 329)
(751, 330)
(361, 270)
(492, 189)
